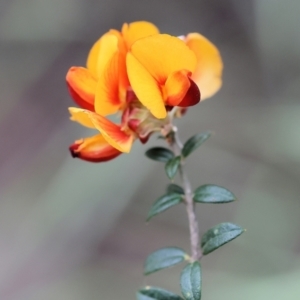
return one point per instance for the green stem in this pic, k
(176, 145)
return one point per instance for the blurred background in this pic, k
(73, 230)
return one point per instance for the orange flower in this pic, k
(101, 89)
(141, 74)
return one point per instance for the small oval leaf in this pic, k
(154, 293)
(219, 235)
(172, 166)
(175, 188)
(163, 203)
(194, 142)
(159, 154)
(164, 258)
(213, 194)
(190, 281)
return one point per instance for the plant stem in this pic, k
(176, 145)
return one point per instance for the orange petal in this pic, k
(82, 86)
(112, 133)
(192, 97)
(145, 87)
(209, 68)
(162, 54)
(137, 30)
(108, 48)
(81, 116)
(93, 149)
(107, 100)
(176, 87)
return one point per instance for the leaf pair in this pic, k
(190, 282)
(167, 156)
(204, 194)
(213, 239)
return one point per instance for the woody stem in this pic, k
(176, 146)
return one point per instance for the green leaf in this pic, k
(213, 194)
(163, 203)
(164, 258)
(154, 293)
(194, 142)
(175, 188)
(159, 154)
(172, 166)
(219, 235)
(190, 281)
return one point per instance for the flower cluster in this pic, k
(140, 75)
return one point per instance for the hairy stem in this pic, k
(176, 145)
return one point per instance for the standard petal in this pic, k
(208, 73)
(108, 47)
(81, 116)
(136, 30)
(108, 100)
(82, 86)
(162, 54)
(94, 149)
(176, 87)
(145, 87)
(112, 133)
(92, 60)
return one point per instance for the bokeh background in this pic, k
(72, 230)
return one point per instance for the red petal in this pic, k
(82, 87)
(93, 149)
(192, 97)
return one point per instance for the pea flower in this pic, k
(138, 74)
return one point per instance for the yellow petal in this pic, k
(208, 73)
(176, 87)
(107, 99)
(112, 133)
(108, 48)
(137, 30)
(145, 87)
(81, 116)
(92, 60)
(96, 57)
(162, 55)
